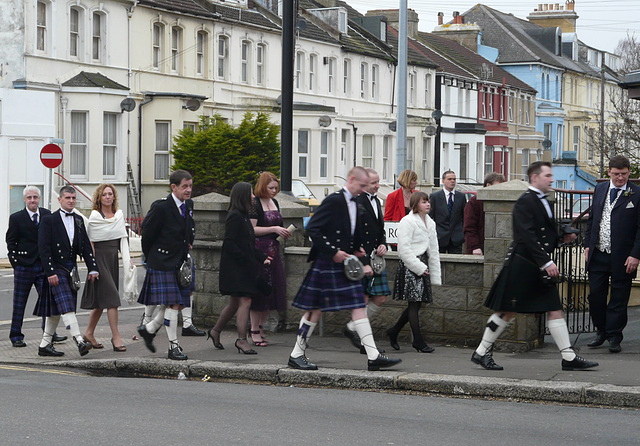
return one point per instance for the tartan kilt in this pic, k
(161, 288)
(56, 300)
(377, 285)
(326, 287)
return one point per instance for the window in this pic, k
(244, 61)
(332, 74)
(521, 110)
(576, 138)
(374, 82)
(561, 184)
(386, 143)
(223, 44)
(303, 152)
(559, 140)
(41, 26)
(590, 144)
(109, 144)
(501, 98)
(479, 167)
(483, 111)
(342, 22)
(346, 73)
(367, 151)
(97, 37)
(313, 60)
(364, 68)
(158, 30)
(488, 159)
(410, 150)
(525, 162)
(444, 158)
(176, 45)
(427, 89)
(201, 51)
(192, 126)
(412, 88)
(74, 32)
(260, 50)
(527, 106)
(547, 131)
(490, 104)
(324, 154)
(161, 156)
(78, 146)
(426, 158)
(511, 99)
(463, 156)
(299, 70)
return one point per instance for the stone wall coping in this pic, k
(449, 258)
(290, 206)
(509, 191)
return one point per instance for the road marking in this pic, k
(31, 369)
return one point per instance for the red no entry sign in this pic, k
(51, 156)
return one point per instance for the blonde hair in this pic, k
(97, 204)
(406, 177)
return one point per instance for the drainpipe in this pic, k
(142, 104)
(355, 140)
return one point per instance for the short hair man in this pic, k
(62, 237)
(168, 231)
(520, 286)
(447, 210)
(615, 209)
(335, 232)
(474, 218)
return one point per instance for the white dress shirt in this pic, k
(69, 225)
(374, 203)
(353, 209)
(31, 214)
(177, 202)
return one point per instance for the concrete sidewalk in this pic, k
(534, 376)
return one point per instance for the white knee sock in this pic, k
(495, 326)
(363, 328)
(560, 334)
(171, 324)
(186, 317)
(350, 326)
(69, 319)
(50, 324)
(372, 309)
(304, 333)
(158, 320)
(148, 313)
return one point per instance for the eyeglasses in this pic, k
(619, 174)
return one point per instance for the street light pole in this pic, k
(401, 145)
(289, 10)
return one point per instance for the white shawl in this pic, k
(101, 229)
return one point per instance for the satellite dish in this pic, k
(301, 24)
(437, 114)
(192, 104)
(127, 105)
(393, 126)
(430, 130)
(324, 121)
(546, 143)
(279, 100)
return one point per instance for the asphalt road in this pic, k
(67, 407)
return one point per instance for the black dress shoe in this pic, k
(423, 349)
(353, 337)
(58, 338)
(49, 351)
(598, 340)
(192, 330)
(486, 361)
(393, 339)
(19, 343)
(614, 346)
(382, 362)
(301, 363)
(148, 338)
(177, 354)
(363, 351)
(83, 347)
(578, 363)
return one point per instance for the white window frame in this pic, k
(42, 25)
(386, 149)
(176, 49)
(426, 158)
(427, 89)
(346, 77)
(488, 160)
(261, 51)
(161, 152)
(368, 150)
(331, 73)
(201, 53)
(364, 71)
(411, 84)
(510, 103)
(501, 98)
(303, 152)
(98, 37)
(575, 134)
(527, 107)
(157, 39)
(299, 82)
(79, 144)
(325, 141)
(483, 109)
(245, 61)
(222, 57)
(313, 66)
(375, 70)
(193, 126)
(76, 17)
(411, 145)
(525, 162)
(110, 144)
(490, 104)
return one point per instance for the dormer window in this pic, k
(383, 31)
(342, 21)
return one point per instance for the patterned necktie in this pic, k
(35, 219)
(614, 194)
(450, 203)
(183, 210)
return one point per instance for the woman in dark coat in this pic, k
(239, 267)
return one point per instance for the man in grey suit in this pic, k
(447, 210)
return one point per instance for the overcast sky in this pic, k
(601, 23)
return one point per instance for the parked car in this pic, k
(300, 190)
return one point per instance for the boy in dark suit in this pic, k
(168, 231)
(447, 210)
(335, 232)
(61, 238)
(615, 209)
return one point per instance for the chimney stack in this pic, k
(440, 18)
(457, 18)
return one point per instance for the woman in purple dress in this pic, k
(267, 223)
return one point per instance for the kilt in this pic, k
(57, 300)
(520, 289)
(161, 288)
(377, 285)
(326, 287)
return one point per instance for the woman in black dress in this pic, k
(239, 268)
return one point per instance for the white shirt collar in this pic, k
(177, 202)
(622, 188)
(537, 191)
(347, 194)
(31, 213)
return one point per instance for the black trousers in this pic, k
(609, 318)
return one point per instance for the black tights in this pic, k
(410, 314)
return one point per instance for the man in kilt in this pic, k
(168, 231)
(527, 281)
(335, 232)
(61, 237)
(376, 288)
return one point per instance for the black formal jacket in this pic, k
(54, 246)
(625, 225)
(448, 229)
(373, 234)
(22, 238)
(240, 260)
(166, 235)
(330, 229)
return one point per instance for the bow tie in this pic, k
(542, 196)
(352, 198)
(67, 214)
(371, 197)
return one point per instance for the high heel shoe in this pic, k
(262, 333)
(393, 339)
(121, 348)
(424, 348)
(246, 352)
(261, 342)
(216, 343)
